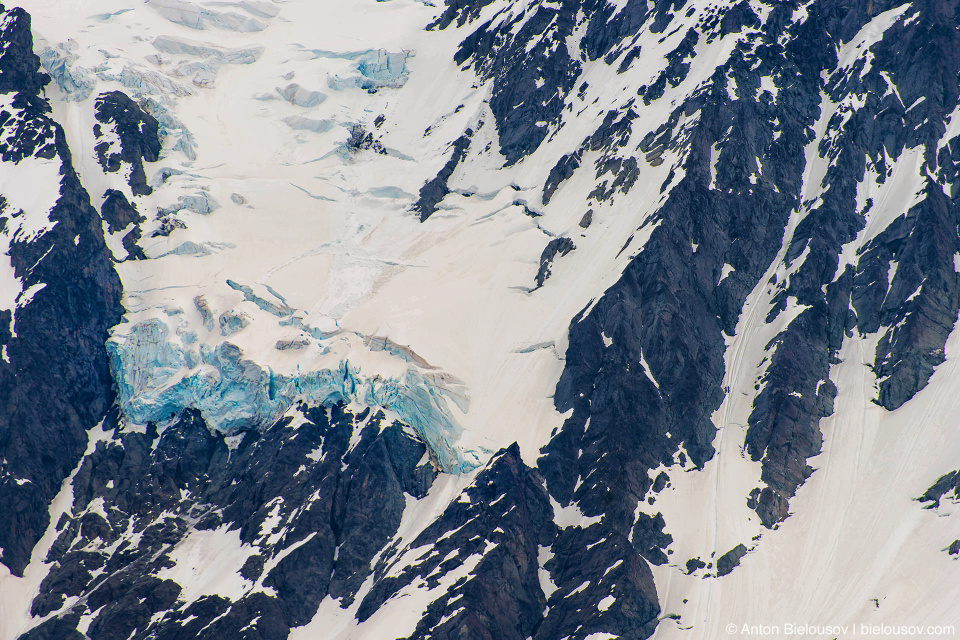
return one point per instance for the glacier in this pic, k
(159, 373)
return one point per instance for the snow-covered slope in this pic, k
(497, 319)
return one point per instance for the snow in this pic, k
(571, 516)
(871, 33)
(546, 584)
(208, 563)
(894, 197)
(605, 603)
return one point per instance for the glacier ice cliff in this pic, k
(376, 68)
(159, 373)
(75, 82)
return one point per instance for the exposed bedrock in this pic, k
(50, 395)
(139, 138)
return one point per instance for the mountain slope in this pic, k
(499, 319)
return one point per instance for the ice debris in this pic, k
(200, 202)
(281, 310)
(76, 83)
(159, 373)
(104, 17)
(175, 135)
(301, 97)
(232, 322)
(161, 176)
(190, 248)
(205, 69)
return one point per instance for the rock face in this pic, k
(119, 214)
(436, 190)
(797, 171)
(50, 393)
(138, 134)
(305, 510)
(557, 246)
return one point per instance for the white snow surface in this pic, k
(208, 563)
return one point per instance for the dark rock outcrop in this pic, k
(557, 246)
(603, 586)
(315, 505)
(139, 138)
(119, 214)
(19, 65)
(671, 307)
(496, 528)
(730, 560)
(50, 395)
(915, 309)
(436, 190)
(944, 486)
(530, 73)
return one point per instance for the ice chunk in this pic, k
(104, 17)
(390, 192)
(205, 78)
(171, 129)
(161, 176)
(295, 94)
(383, 69)
(205, 312)
(144, 82)
(255, 7)
(232, 322)
(190, 248)
(201, 203)
(280, 311)
(296, 343)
